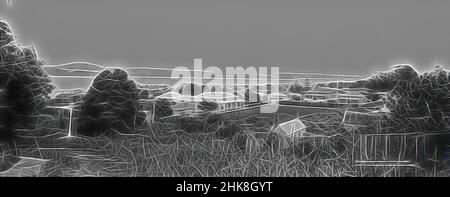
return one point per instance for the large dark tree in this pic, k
(110, 103)
(424, 102)
(24, 85)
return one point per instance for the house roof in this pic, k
(222, 97)
(290, 127)
(219, 97)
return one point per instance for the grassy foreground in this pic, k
(161, 150)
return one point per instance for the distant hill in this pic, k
(77, 66)
(84, 69)
(53, 71)
(148, 72)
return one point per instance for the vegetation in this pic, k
(208, 105)
(110, 103)
(427, 97)
(218, 144)
(24, 86)
(164, 150)
(163, 108)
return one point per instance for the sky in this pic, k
(329, 36)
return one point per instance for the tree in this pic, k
(426, 99)
(24, 85)
(112, 102)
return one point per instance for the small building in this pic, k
(292, 128)
(322, 93)
(349, 99)
(290, 132)
(186, 103)
(225, 101)
(336, 96)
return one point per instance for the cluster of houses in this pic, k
(323, 94)
(335, 96)
(185, 100)
(188, 101)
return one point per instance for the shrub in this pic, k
(111, 102)
(163, 108)
(207, 105)
(424, 104)
(298, 88)
(387, 81)
(427, 97)
(228, 129)
(208, 124)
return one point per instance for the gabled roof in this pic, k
(290, 127)
(219, 97)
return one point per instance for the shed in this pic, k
(291, 129)
(289, 133)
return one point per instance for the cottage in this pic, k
(293, 128)
(225, 101)
(290, 132)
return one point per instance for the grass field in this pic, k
(162, 150)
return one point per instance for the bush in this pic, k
(24, 85)
(207, 105)
(424, 104)
(191, 124)
(112, 102)
(228, 130)
(163, 108)
(210, 123)
(6, 34)
(387, 81)
(298, 88)
(427, 97)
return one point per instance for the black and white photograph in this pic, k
(224, 88)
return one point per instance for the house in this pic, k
(225, 101)
(290, 132)
(352, 99)
(349, 99)
(276, 97)
(322, 93)
(293, 128)
(336, 96)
